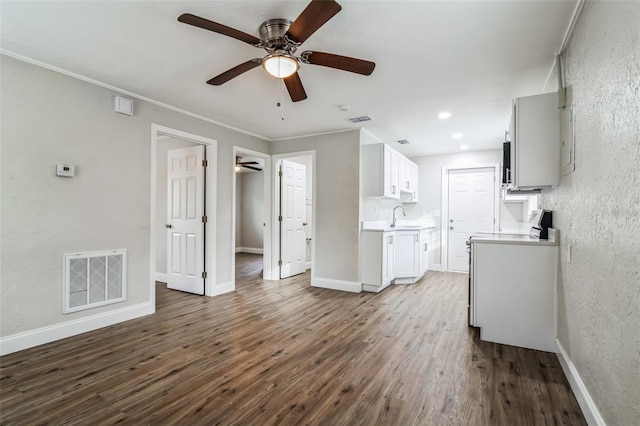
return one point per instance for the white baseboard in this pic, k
(40, 336)
(589, 409)
(437, 267)
(219, 289)
(249, 250)
(350, 286)
(307, 266)
(162, 277)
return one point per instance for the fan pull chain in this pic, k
(281, 103)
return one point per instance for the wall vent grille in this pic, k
(94, 279)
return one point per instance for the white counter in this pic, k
(506, 238)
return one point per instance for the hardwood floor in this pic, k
(282, 352)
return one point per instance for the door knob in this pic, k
(451, 227)
(168, 226)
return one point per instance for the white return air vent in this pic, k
(94, 279)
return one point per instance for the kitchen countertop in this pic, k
(406, 225)
(503, 238)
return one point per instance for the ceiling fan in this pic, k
(281, 38)
(247, 164)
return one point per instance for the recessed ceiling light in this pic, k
(444, 115)
(457, 135)
(464, 147)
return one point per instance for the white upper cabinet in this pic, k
(535, 142)
(388, 174)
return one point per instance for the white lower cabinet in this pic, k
(407, 257)
(377, 260)
(398, 257)
(512, 294)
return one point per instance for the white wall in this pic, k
(252, 210)
(50, 118)
(597, 209)
(164, 145)
(430, 187)
(337, 180)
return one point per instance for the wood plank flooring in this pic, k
(282, 352)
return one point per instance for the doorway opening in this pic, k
(251, 250)
(182, 251)
(294, 213)
(470, 204)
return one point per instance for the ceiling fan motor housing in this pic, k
(272, 33)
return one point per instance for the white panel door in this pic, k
(185, 227)
(292, 209)
(471, 210)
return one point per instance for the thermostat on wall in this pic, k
(64, 170)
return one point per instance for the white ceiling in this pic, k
(467, 57)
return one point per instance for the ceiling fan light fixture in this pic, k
(280, 65)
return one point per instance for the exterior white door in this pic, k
(293, 192)
(185, 219)
(471, 209)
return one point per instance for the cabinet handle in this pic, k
(390, 239)
(407, 184)
(393, 189)
(417, 238)
(425, 246)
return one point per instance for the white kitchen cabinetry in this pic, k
(535, 142)
(388, 174)
(425, 237)
(377, 260)
(407, 257)
(512, 293)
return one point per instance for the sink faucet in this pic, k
(393, 222)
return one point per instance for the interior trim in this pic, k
(589, 409)
(51, 333)
(350, 286)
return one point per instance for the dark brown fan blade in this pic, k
(295, 88)
(234, 72)
(248, 162)
(197, 21)
(343, 63)
(315, 15)
(252, 168)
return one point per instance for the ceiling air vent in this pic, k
(403, 141)
(360, 119)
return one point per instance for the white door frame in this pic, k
(266, 243)
(274, 268)
(444, 225)
(210, 205)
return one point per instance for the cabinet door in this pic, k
(407, 254)
(388, 257)
(424, 252)
(414, 172)
(391, 167)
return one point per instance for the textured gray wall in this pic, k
(50, 118)
(597, 210)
